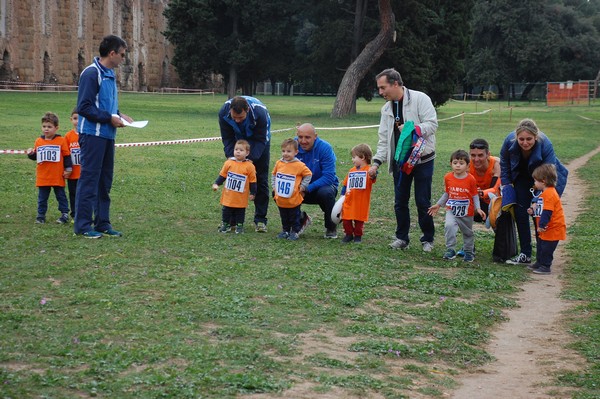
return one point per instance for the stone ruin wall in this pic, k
(52, 41)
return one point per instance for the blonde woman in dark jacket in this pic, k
(523, 150)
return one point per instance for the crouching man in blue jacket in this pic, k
(318, 155)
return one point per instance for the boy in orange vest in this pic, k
(461, 200)
(72, 138)
(51, 152)
(549, 218)
(239, 175)
(357, 188)
(289, 174)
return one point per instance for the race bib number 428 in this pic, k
(48, 153)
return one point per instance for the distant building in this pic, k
(52, 41)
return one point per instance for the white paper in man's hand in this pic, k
(138, 124)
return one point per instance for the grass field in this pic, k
(174, 309)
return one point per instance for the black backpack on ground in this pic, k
(505, 240)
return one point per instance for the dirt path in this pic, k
(530, 347)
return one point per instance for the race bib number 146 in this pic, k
(284, 184)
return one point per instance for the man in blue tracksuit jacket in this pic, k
(99, 118)
(318, 155)
(247, 118)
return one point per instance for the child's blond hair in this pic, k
(363, 151)
(289, 142)
(244, 144)
(546, 173)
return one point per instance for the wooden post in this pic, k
(462, 122)
(510, 115)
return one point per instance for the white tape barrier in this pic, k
(464, 113)
(198, 140)
(588, 119)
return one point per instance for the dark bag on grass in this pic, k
(505, 241)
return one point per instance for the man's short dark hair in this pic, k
(111, 43)
(391, 75)
(239, 104)
(479, 144)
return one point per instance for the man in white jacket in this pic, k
(404, 105)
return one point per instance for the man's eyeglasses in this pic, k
(478, 147)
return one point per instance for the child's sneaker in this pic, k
(111, 233)
(293, 236)
(520, 259)
(468, 257)
(239, 229)
(283, 235)
(92, 234)
(63, 219)
(40, 220)
(449, 254)
(461, 252)
(347, 238)
(542, 270)
(357, 239)
(224, 228)
(261, 227)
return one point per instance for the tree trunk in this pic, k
(360, 13)
(232, 82)
(596, 85)
(345, 101)
(526, 91)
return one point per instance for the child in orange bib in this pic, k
(357, 188)
(289, 174)
(72, 138)
(462, 201)
(239, 175)
(549, 217)
(51, 152)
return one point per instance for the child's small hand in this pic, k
(433, 210)
(530, 211)
(541, 229)
(215, 187)
(67, 174)
(481, 213)
(251, 197)
(30, 151)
